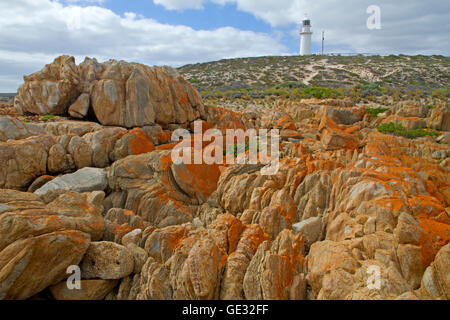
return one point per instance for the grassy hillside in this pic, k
(365, 76)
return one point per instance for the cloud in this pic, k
(408, 26)
(34, 32)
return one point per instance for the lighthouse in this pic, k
(305, 35)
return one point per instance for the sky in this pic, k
(179, 32)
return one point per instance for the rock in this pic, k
(90, 290)
(411, 264)
(346, 116)
(134, 142)
(143, 183)
(80, 108)
(310, 228)
(107, 261)
(439, 119)
(59, 160)
(84, 180)
(39, 182)
(409, 123)
(120, 93)
(140, 257)
(133, 95)
(333, 137)
(436, 280)
(120, 222)
(25, 215)
(408, 230)
(13, 129)
(444, 139)
(198, 181)
(325, 257)
(132, 237)
(290, 135)
(23, 161)
(275, 271)
(237, 263)
(81, 152)
(285, 123)
(69, 127)
(30, 265)
(411, 109)
(49, 91)
(102, 143)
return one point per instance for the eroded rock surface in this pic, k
(351, 213)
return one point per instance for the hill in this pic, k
(382, 73)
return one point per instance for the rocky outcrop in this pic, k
(51, 90)
(30, 265)
(120, 94)
(351, 213)
(25, 214)
(65, 147)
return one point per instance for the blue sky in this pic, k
(178, 32)
(211, 16)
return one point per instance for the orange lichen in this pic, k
(201, 178)
(285, 123)
(434, 236)
(140, 143)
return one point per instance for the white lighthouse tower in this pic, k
(305, 35)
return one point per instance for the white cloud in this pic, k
(408, 26)
(180, 5)
(34, 32)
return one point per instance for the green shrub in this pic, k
(374, 112)
(48, 117)
(392, 128)
(321, 93)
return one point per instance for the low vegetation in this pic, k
(392, 128)
(48, 117)
(374, 112)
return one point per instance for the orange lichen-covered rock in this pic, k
(119, 222)
(238, 261)
(196, 180)
(26, 216)
(223, 119)
(30, 265)
(133, 142)
(285, 123)
(276, 271)
(145, 185)
(335, 137)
